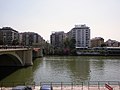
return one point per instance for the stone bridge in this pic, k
(16, 57)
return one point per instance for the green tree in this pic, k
(66, 43)
(103, 45)
(69, 46)
(72, 43)
(1, 42)
(72, 47)
(15, 42)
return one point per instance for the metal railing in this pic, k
(89, 85)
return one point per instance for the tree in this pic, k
(72, 43)
(103, 45)
(15, 42)
(69, 46)
(1, 42)
(72, 47)
(66, 43)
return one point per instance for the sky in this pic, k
(46, 16)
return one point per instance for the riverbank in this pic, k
(99, 51)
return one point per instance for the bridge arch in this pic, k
(8, 59)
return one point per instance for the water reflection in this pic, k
(65, 69)
(6, 71)
(105, 68)
(19, 74)
(80, 69)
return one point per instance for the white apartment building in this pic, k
(81, 33)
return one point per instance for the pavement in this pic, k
(115, 87)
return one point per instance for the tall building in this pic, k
(8, 36)
(28, 38)
(97, 42)
(57, 39)
(31, 39)
(81, 33)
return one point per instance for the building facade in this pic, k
(9, 36)
(28, 38)
(97, 42)
(57, 39)
(81, 34)
(31, 39)
(112, 43)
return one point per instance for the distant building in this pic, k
(81, 33)
(29, 38)
(8, 36)
(57, 39)
(112, 43)
(97, 42)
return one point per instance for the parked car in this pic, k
(22, 88)
(46, 87)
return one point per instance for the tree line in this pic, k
(66, 48)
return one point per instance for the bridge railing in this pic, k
(12, 47)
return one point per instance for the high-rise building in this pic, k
(57, 39)
(81, 34)
(8, 36)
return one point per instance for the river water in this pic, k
(65, 69)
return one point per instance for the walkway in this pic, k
(115, 87)
(91, 85)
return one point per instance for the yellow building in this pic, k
(97, 42)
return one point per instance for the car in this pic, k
(46, 87)
(22, 88)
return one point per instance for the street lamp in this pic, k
(4, 39)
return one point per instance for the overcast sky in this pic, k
(45, 16)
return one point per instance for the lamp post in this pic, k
(4, 40)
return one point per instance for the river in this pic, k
(65, 69)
